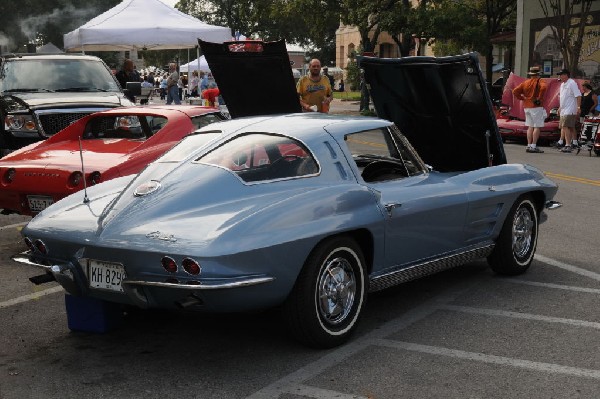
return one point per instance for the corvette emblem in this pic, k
(160, 236)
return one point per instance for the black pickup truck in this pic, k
(41, 94)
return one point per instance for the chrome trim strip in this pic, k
(203, 285)
(70, 110)
(426, 268)
(26, 259)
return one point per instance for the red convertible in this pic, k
(511, 119)
(113, 143)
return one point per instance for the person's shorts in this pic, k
(567, 121)
(534, 117)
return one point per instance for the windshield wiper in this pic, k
(36, 90)
(81, 89)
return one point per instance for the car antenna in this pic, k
(85, 196)
(487, 142)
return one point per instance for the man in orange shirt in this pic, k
(532, 92)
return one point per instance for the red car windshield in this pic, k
(123, 127)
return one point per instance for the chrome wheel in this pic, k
(336, 290)
(522, 233)
(515, 246)
(329, 294)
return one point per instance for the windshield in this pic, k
(31, 75)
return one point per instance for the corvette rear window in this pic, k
(188, 146)
(262, 157)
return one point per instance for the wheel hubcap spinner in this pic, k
(336, 290)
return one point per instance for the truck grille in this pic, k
(53, 123)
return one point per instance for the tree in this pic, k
(495, 16)
(366, 16)
(568, 36)
(275, 20)
(51, 20)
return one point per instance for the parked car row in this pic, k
(42, 94)
(303, 211)
(96, 148)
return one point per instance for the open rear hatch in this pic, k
(254, 77)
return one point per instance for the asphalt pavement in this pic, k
(463, 333)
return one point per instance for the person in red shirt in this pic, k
(532, 92)
(211, 94)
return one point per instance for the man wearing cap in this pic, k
(532, 92)
(569, 109)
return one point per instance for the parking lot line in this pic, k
(482, 357)
(566, 266)
(290, 383)
(523, 316)
(11, 226)
(35, 295)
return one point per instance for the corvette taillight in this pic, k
(169, 264)
(191, 266)
(75, 179)
(41, 247)
(29, 243)
(95, 178)
(9, 175)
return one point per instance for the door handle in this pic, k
(389, 208)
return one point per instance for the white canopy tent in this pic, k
(199, 64)
(143, 25)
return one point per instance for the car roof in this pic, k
(299, 125)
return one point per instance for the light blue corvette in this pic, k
(309, 212)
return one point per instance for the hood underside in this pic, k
(441, 104)
(254, 78)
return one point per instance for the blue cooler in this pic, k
(92, 315)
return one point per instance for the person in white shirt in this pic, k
(569, 109)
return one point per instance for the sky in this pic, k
(170, 2)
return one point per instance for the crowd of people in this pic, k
(315, 90)
(574, 106)
(171, 85)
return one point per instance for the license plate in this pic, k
(106, 276)
(38, 203)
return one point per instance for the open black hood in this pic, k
(254, 77)
(441, 104)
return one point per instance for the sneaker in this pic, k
(566, 148)
(535, 150)
(557, 145)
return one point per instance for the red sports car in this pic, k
(113, 143)
(511, 119)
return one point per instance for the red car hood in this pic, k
(97, 155)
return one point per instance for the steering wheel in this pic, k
(286, 158)
(383, 170)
